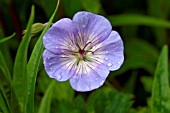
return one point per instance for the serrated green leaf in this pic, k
(108, 100)
(33, 66)
(4, 68)
(160, 101)
(118, 103)
(20, 69)
(135, 19)
(95, 96)
(46, 100)
(7, 38)
(4, 104)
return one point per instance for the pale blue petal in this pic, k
(112, 51)
(92, 80)
(56, 66)
(58, 37)
(92, 27)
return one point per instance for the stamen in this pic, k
(86, 45)
(91, 52)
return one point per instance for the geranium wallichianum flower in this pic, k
(82, 50)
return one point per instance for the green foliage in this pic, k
(161, 90)
(129, 86)
(4, 104)
(107, 100)
(139, 54)
(89, 5)
(7, 38)
(139, 86)
(73, 6)
(20, 67)
(131, 19)
(46, 101)
(147, 83)
(32, 67)
(45, 3)
(4, 68)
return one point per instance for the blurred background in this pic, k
(142, 24)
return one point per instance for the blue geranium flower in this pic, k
(82, 50)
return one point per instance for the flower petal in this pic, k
(60, 36)
(93, 78)
(111, 51)
(60, 67)
(91, 27)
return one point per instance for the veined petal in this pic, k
(83, 50)
(60, 36)
(60, 67)
(91, 78)
(111, 51)
(91, 27)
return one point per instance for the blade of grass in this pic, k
(4, 104)
(33, 65)
(46, 100)
(20, 69)
(160, 100)
(134, 19)
(5, 50)
(4, 68)
(159, 9)
(7, 38)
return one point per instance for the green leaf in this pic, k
(4, 104)
(159, 9)
(33, 66)
(160, 101)
(135, 19)
(4, 68)
(48, 7)
(92, 5)
(96, 97)
(118, 103)
(5, 50)
(147, 82)
(67, 93)
(46, 100)
(131, 83)
(108, 100)
(71, 7)
(63, 107)
(7, 38)
(80, 104)
(20, 69)
(139, 54)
